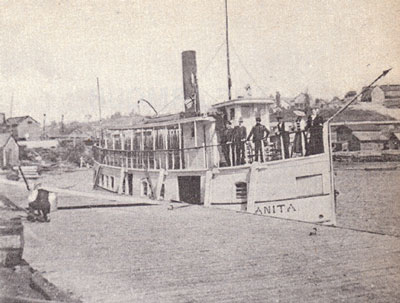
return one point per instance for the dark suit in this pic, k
(284, 136)
(239, 136)
(316, 144)
(226, 141)
(258, 132)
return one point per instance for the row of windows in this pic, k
(108, 182)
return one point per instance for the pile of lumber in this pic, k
(30, 172)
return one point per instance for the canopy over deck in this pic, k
(244, 101)
(162, 122)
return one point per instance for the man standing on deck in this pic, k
(259, 132)
(226, 141)
(239, 138)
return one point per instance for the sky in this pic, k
(53, 51)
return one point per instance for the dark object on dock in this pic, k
(314, 232)
(11, 241)
(13, 176)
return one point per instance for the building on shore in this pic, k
(363, 140)
(387, 95)
(9, 151)
(24, 128)
(359, 137)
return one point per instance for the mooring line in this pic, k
(103, 206)
(366, 231)
(324, 225)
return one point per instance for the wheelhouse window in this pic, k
(232, 114)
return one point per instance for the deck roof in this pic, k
(172, 121)
(243, 101)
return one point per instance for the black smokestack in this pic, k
(190, 86)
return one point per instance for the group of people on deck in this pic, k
(308, 139)
(233, 141)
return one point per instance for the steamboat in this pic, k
(183, 157)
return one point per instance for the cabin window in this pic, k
(112, 182)
(232, 114)
(241, 190)
(162, 192)
(192, 130)
(29, 122)
(144, 188)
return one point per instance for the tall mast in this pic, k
(98, 96)
(100, 122)
(227, 52)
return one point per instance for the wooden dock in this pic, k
(196, 254)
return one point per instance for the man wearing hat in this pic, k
(239, 138)
(259, 132)
(284, 138)
(226, 142)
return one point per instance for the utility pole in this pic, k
(44, 127)
(11, 104)
(62, 124)
(98, 96)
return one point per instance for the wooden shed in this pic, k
(368, 140)
(9, 151)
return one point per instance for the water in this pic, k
(368, 200)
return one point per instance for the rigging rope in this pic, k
(247, 72)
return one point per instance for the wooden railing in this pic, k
(172, 159)
(202, 157)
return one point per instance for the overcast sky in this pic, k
(52, 51)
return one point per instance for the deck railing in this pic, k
(202, 157)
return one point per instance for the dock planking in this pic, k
(206, 255)
(195, 254)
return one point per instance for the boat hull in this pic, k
(297, 188)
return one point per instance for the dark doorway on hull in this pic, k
(189, 189)
(130, 177)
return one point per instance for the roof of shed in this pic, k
(4, 139)
(370, 136)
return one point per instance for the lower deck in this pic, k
(297, 188)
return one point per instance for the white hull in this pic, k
(297, 188)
